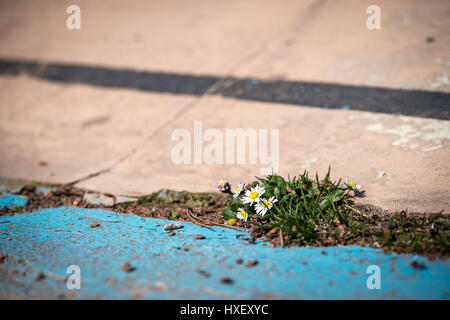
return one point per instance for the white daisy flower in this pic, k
(239, 189)
(253, 195)
(352, 185)
(242, 214)
(265, 205)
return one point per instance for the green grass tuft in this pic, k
(322, 212)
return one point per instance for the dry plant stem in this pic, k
(202, 223)
(355, 210)
(195, 220)
(281, 239)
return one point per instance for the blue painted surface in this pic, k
(52, 239)
(10, 190)
(44, 190)
(12, 200)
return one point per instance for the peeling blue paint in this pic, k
(10, 190)
(52, 239)
(12, 200)
(44, 190)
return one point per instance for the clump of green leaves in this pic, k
(302, 205)
(306, 204)
(309, 211)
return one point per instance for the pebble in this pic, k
(40, 276)
(99, 199)
(252, 263)
(199, 236)
(173, 226)
(417, 265)
(127, 267)
(239, 260)
(120, 200)
(204, 273)
(95, 225)
(226, 280)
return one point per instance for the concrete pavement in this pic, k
(118, 140)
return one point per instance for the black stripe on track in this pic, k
(419, 103)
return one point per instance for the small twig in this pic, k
(194, 220)
(202, 223)
(357, 211)
(231, 227)
(281, 239)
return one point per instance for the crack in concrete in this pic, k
(302, 18)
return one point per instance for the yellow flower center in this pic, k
(237, 189)
(221, 183)
(232, 222)
(266, 204)
(254, 195)
(243, 213)
(351, 184)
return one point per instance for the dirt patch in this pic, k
(402, 232)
